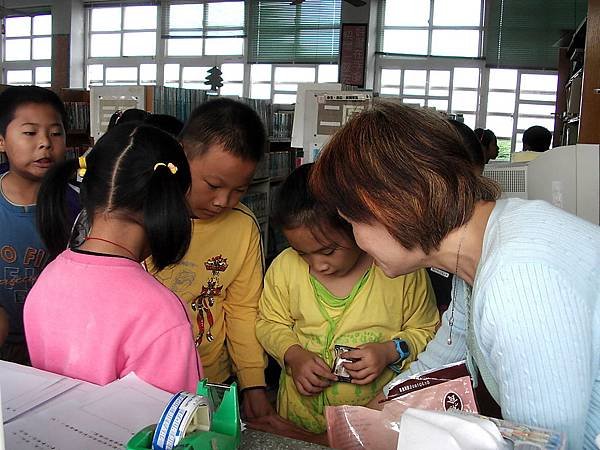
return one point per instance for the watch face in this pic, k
(404, 347)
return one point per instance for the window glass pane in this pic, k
(105, 45)
(186, 16)
(147, 73)
(526, 122)
(18, 77)
(232, 72)
(260, 90)
(17, 50)
(519, 146)
(17, 26)
(540, 110)
(232, 89)
(224, 46)
(260, 72)
(283, 99)
(455, 43)
(139, 18)
(413, 13)
(43, 75)
(286, 87)
(139, 44)
(42, 48)
(390, 77)
(412, 42)
(503, 79)
(194, 77)
(171, 75)
(42, 24)
(440, 105)
(184, 47)
(464, 101)
(439, 81)
(414, 82)
(328, 73)
(227, 14)
(501, 126)
(469, 120)
(466, 78)
(536, 96)
(504, 150)
(414, 101)
(449, 13)
(501, 102)
(95, 74)
(121, 75)
(295, 74)
(390, 91)
(106, 19)
(534, 82)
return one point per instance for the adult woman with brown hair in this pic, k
(526, 296)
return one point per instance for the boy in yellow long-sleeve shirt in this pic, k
(220, 277)
(323, 292)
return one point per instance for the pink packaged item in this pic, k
(357, 427)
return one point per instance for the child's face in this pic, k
(34, 140)
(333, 255)
(219, 179)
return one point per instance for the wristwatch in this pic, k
(402, 349)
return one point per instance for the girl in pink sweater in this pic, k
(94, 313)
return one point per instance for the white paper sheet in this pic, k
(105, 418)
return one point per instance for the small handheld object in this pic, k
(338, 364)
(208, 420)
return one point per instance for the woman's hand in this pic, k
(372, 359)
(310, 373)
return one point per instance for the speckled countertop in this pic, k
(257, 440)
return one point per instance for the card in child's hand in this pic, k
(338, 363)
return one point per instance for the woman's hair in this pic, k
(232, 124)
(295, 206)
(123, 178)
(406, 168)
(165, 122)
(472, 144)
(15, 96)
(486, 137)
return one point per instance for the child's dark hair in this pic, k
(486, 137)
(129, 115)
(122, 177)
(232, 124)
(165, 122)
(14, 96)
(472, 144)
(295, 206)
(537, 139)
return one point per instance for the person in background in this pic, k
(536, 140)
(525, 309)
(32, 136)
(325, 291)
(95, 313)
(489, 143)
(220, 277)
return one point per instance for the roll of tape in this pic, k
(184, 414)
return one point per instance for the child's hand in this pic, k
(309, 371)
(372, 360)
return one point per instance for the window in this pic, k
(431, 27)
(28, 49)
(453, 89)
(516, 101)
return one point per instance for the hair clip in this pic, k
(172, 167)
(82, 167)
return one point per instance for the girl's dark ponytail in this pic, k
(166, 216)
(53, 216)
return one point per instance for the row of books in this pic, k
(78, 116)
(178, 102)
(263, 108)
(282, 124)
(258, 202)
(280, 164)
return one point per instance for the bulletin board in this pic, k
(353, 53)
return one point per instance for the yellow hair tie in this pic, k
(172, 167)
(82, 167)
